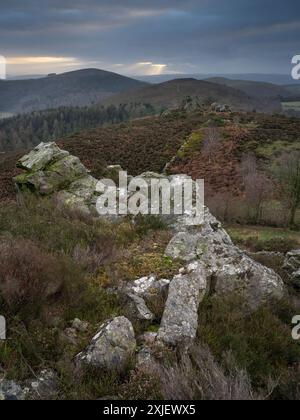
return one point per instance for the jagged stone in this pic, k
(138, 308)
(180, 319)
(231, 269)
(51, 171)
(147, 291)
(41, 156)
(292, 267)
(111, 347)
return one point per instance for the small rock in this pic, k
(10, 390)
(139, 308)
(80, 326)
(142, 285)
(111, 347)
(69, 335)
(44, 387)
(148, 338)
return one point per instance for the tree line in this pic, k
(27, 130)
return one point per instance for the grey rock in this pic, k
(111, 347)
(147, 291)
(45, 386)
(10, 390)
(41, 156)
(80, 326)
(180, 318)
(292, 267)
(231, 269)
(51, 171)
(148, 338)
(139, 308)
(141, 286)
(145, 359)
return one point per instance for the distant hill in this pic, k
(293, 92)
(77, 88)
(277, 79)
(171, 94)
(259, 90)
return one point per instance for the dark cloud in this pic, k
(187, 36)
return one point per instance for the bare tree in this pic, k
(287, 173)
(257, 191)
(257, 186)
(211, 142)
(248, 165)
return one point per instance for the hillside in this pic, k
(171, 94)
(150, 143)
(77, 88)
(293, 92)
(259, 90)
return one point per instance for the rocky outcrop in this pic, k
(292, 267)
(51, 171)
(111, 347)
(213, 264)
(229, 268)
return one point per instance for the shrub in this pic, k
(197, 376)
(261, 343)
(28, 275)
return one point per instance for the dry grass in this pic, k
(197, 376)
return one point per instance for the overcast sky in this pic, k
(138, 37)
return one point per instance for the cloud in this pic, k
(194, 35)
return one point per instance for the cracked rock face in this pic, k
(180, 319)
(229, 268)
(111, 347)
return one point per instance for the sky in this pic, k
(139, 37)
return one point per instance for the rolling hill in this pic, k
(77, 88)
(259, 90)
(277, 79)
(171, 94)
(293, 92)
